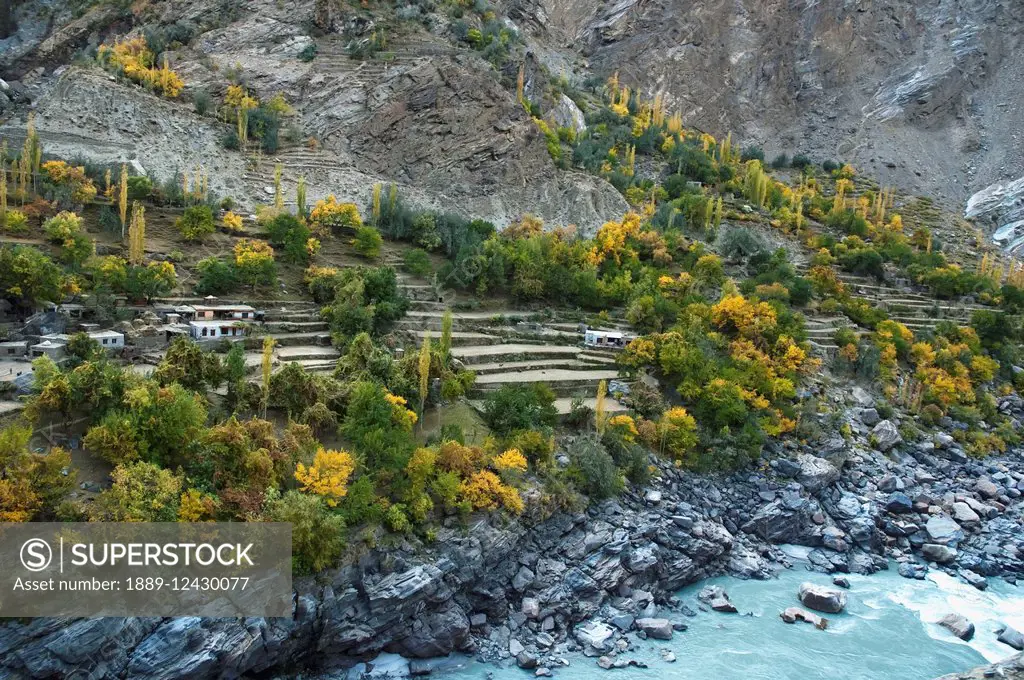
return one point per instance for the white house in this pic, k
(13, 348)
(240, 312)
(613, 339)
(53, 345)
(49, 348)
(203, 329)
(109, 340)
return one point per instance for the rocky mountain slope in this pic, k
(923, 95)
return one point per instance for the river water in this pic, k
(887, 632)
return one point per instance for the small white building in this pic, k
(109, 340)
(240, 312)
(112, 341)
(202, 329)
(49, 348)
(611, 339)
(13, 348)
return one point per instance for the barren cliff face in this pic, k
(925, 95)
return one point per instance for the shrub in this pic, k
(201, 102)
(16, 222)
(830, 166)
(367, 242)
(520, 407)
(593, 469)
(417, 262)
(216, 277)
(752, 153)
(139, 188)
(318, 535)
(196, 223)
(538, 447)
(781, 161)
(800, 161)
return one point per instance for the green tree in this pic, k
(153, 280)
(367, 242)
(318, 535)
(141, 492)
(28, 277)
(196, 223)
(189, 365)
(216, 276)
(371, 425)
(31, 484)
(520, 407)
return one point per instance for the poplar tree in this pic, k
(424, 369)
(300, 197)
(446, 335)
(376, 204)
(122, 200)
(266, 364)
(600, 414)
(3, 193)
(278, 196)
(137, 235)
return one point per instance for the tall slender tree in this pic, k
(122, 199)
(300, 197)
(424, 370)
(137, 235)
(266, 365)
(278, 196)
(446, 335)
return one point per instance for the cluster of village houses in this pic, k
(201, 322)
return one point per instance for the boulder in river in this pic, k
(794, 614)
(1012, 637)
(958, 625)
(822, 598)
(659, 629)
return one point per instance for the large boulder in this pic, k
(886, 435)
(816, 473)
(944, 529)
(963, 513)
(821, 598)
(794, 614)
(658, 629)
(958, 625)
(936, 552)
(596, 637)
(899, 503)
(568, 115)
(789, 520)
(1012, 637)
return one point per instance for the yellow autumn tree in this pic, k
(328, 475)
(137, 235)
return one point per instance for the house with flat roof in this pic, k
(211, 329)
(13, 348)
(613, 339)
(240, 312)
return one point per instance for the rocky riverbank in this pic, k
(538, 589)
